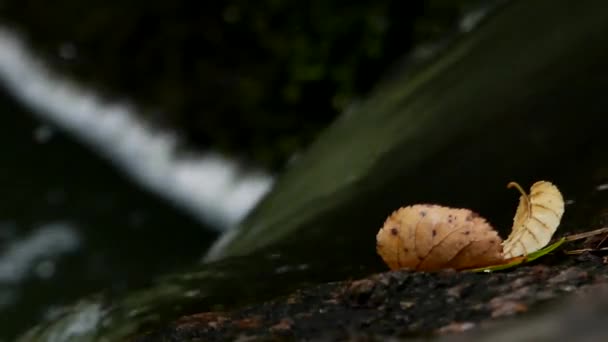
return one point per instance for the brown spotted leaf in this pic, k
(431, 237)
(536, 219)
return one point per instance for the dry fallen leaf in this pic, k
(431, 237)
(536, 219)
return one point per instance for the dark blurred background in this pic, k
(254, 80)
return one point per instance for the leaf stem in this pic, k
(519, 188)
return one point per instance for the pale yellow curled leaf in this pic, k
(427, 237)
(536, 219)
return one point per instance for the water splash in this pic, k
(77, 325)
(42, 246)
(212, 187)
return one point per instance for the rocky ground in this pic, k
(398, 305)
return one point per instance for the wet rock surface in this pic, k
(398, 304)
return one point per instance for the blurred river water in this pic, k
(94, 200)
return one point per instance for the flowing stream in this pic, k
(93, 198)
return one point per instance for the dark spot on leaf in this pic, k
(467, 232)
(423, 213)
(434, 232)
(406, 250)
(394, 231)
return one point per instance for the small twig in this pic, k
(587, 234)
(583, 250)
(602, 242)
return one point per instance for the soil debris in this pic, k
(393, 305)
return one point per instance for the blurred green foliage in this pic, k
(255, 79)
